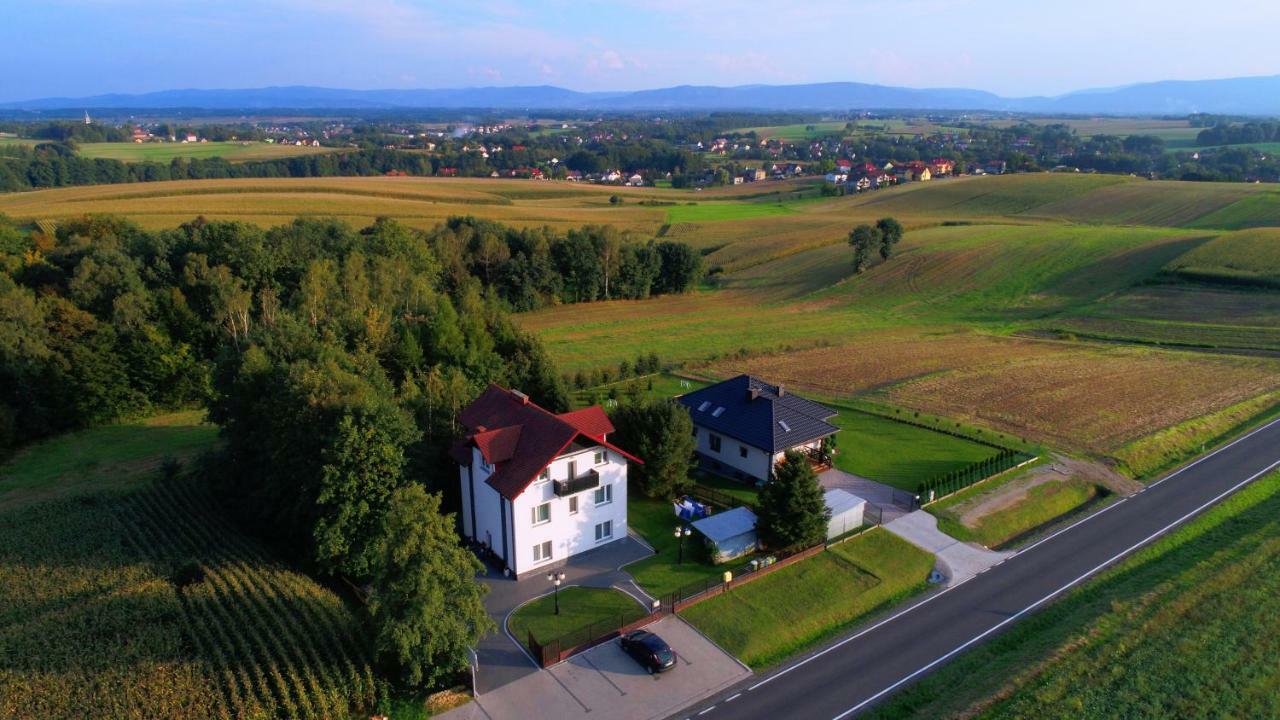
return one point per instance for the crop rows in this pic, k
(154, 605)
(290, 641)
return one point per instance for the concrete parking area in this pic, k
(891, 502)
(958, 561)
(604, 683)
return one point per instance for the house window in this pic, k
(573, 505)
(604, 494)
(573, 469)
(695, 431)
(545, 474)
(542, 551)
(742, 450)
(602, 457)
(604, 530)
(714, 442)
(542, 514)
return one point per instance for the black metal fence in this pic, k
(719, 498)
(551, 651)
(939, 487)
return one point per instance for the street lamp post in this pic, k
(681, 534)
(556, 578)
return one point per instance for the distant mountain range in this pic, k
(1246, 96)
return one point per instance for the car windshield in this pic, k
(660, 649)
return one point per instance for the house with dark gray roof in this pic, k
(745, 425)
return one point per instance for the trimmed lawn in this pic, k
(739, 491)
(580, 607)
(765, 621)
(1041, 504)
(899, 454)
(660, 575)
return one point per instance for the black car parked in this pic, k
(649, 650)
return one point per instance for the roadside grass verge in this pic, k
(580, 607)
(792, 609)
(109, 458)
(661, 574)
(1184, 628)
(1042, 504)
(1148, 457)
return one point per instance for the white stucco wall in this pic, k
(488, 506)
(569, 534)
(755, 464)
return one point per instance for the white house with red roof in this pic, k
(537, 487)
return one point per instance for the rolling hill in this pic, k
(1250, 95)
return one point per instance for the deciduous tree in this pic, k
(426, 606)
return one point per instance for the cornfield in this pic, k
(151, 605)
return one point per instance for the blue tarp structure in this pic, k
(732, 533)
(688, 509)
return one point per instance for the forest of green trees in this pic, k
(335, 361)
(49, 165)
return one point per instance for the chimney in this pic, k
(753, 393)
(524, 399)
(781, 390)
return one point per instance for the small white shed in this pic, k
(846, 512)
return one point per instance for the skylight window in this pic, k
(785, 427)
(718, 412)
(703, 407)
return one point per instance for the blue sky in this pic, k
(1012, 47)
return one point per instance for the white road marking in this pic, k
(733, 697)
(948, 589)
(704, 712)
(1055, 593)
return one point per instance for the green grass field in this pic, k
(789, 610)
(1037, 252)
(164, 152)
(581, 608)
(112, 458)
(1244, 256)
(1183, 629)
(714, 212)
(1042, 504)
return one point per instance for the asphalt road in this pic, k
(854, 673)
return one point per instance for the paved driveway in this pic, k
(500, 659)
(875, 493)
(960, 561)
(606, 684)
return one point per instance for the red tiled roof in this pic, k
(498, 445)
(521, 439)
(591, 421)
